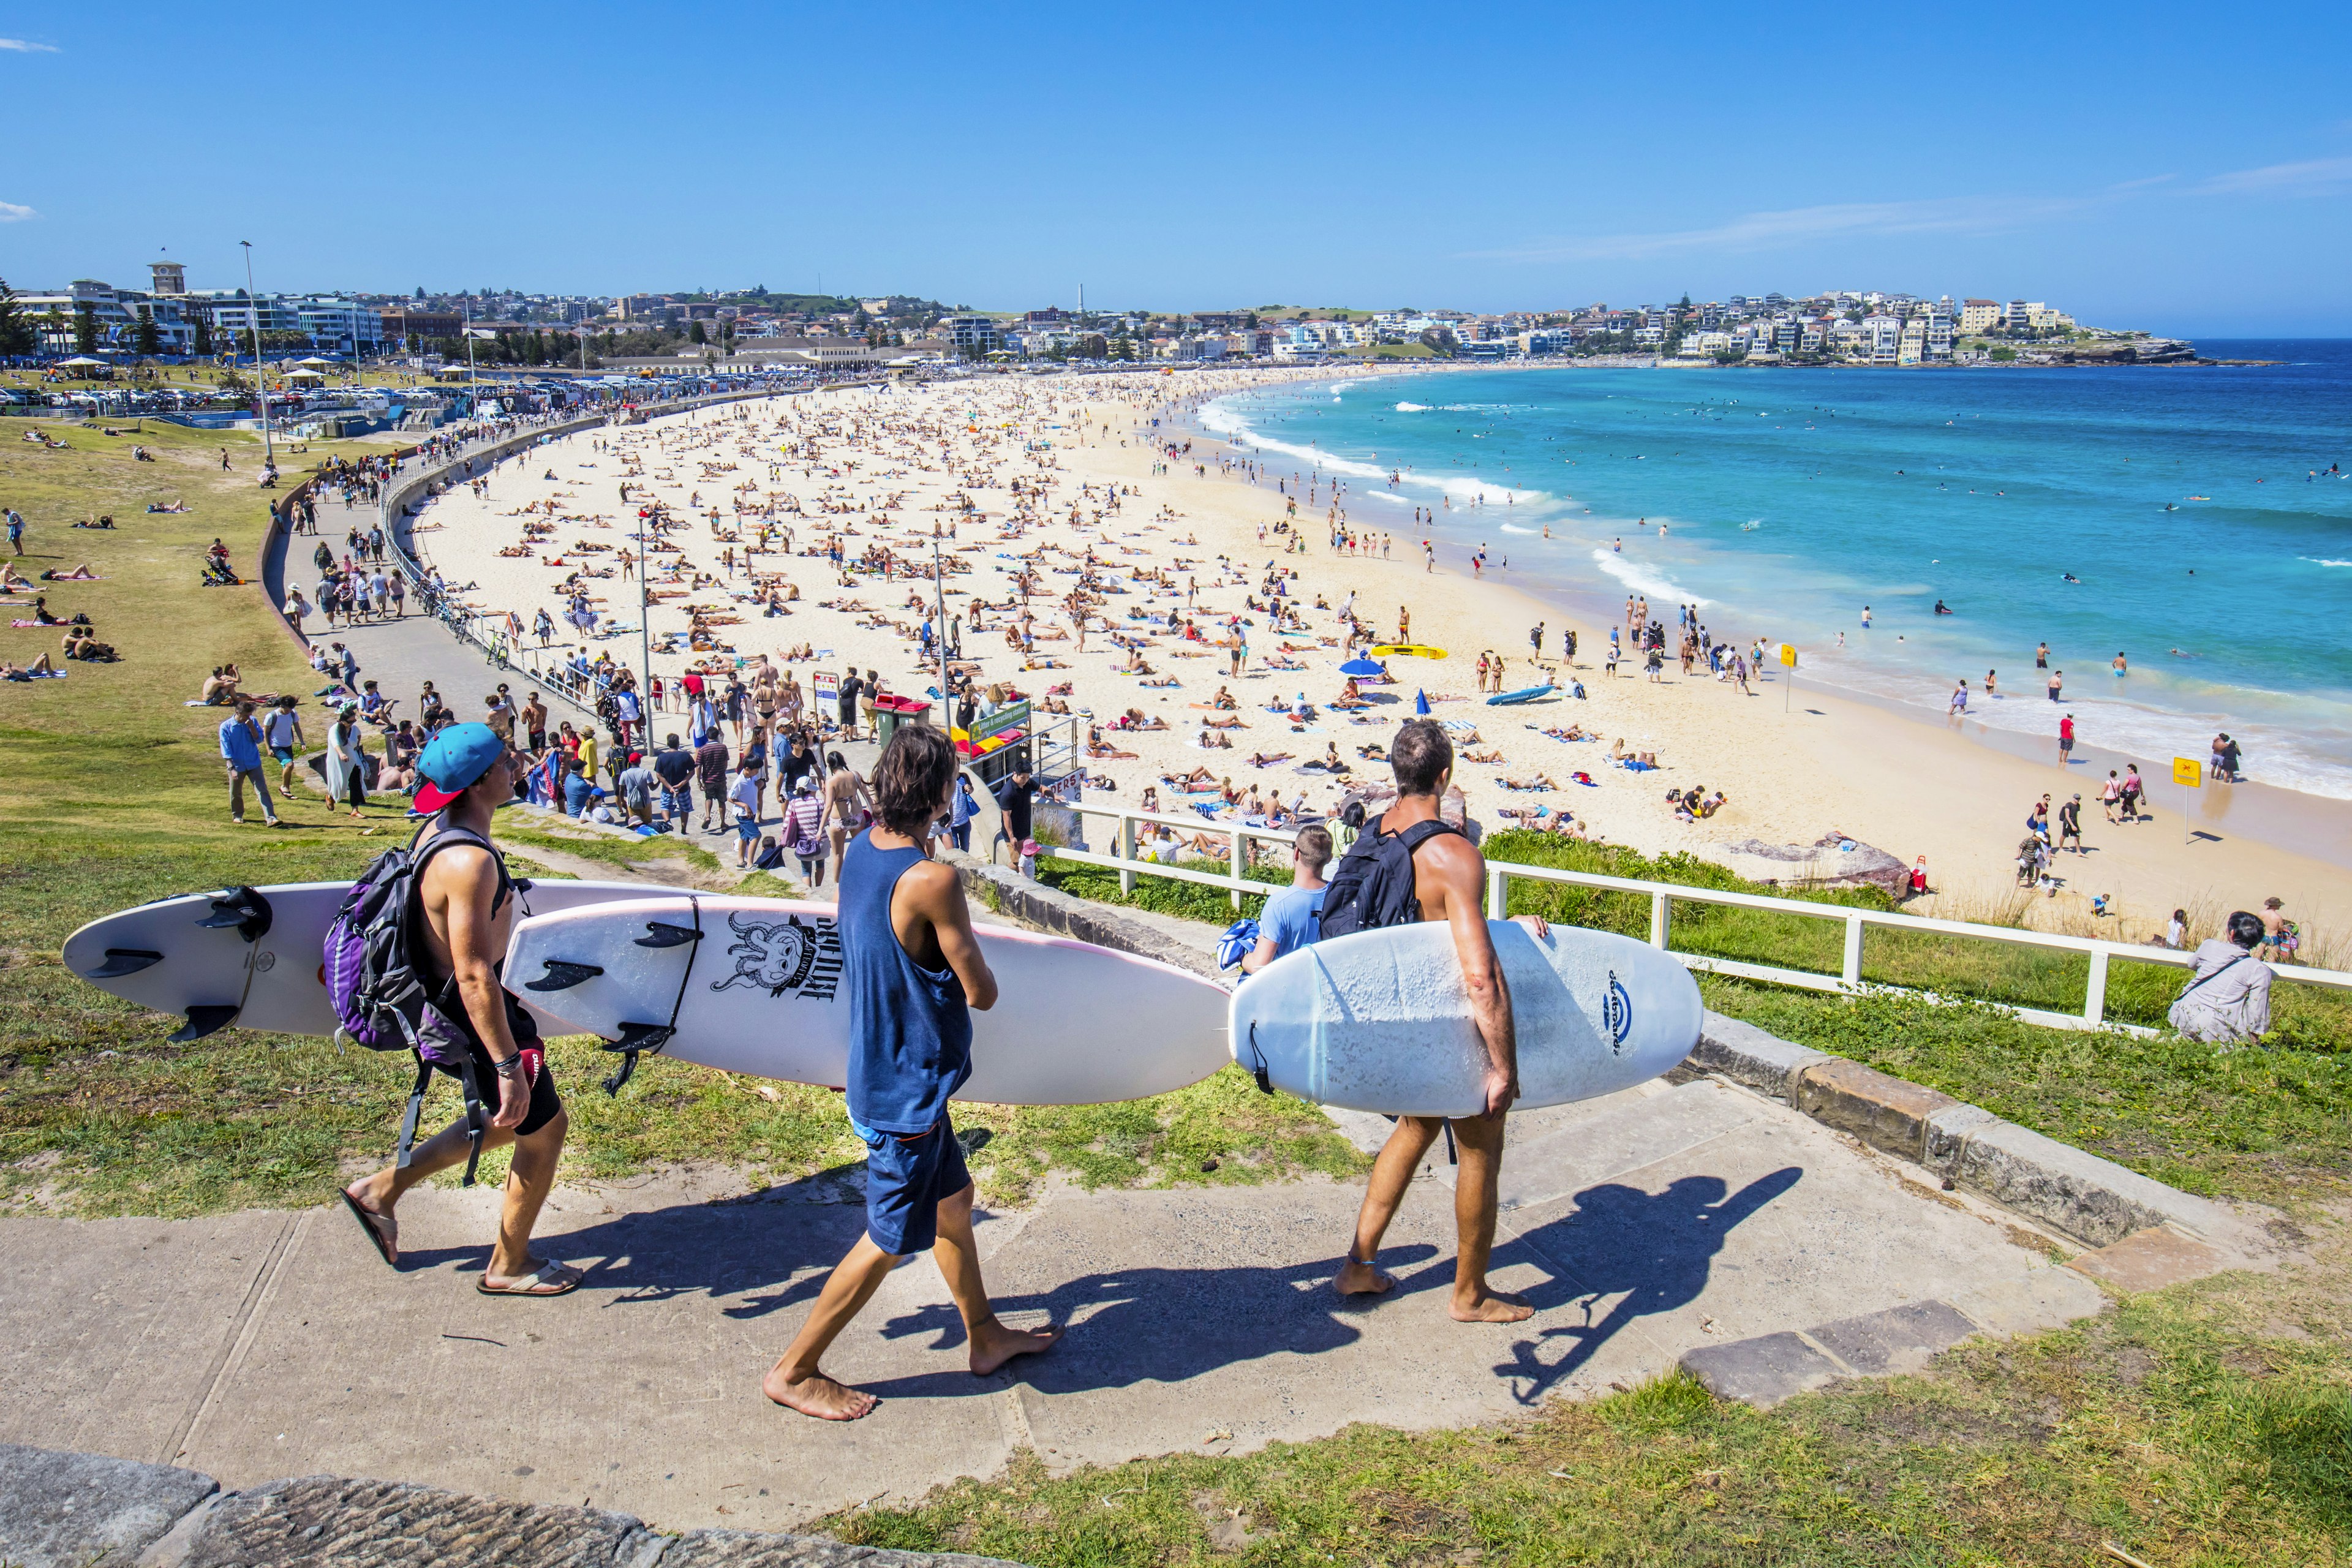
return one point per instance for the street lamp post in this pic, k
(253, 320)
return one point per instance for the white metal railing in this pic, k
(1664, 896)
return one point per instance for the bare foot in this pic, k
(993, 1344)
(816, 1394)
(1493, 1306)
(1362, 1279)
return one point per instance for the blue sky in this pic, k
(2157, 166)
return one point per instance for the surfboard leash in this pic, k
(638, 1038)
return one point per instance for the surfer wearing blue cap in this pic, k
(464, 910)
(914, 973)
(1448, 884)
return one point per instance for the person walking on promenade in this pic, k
(1449, 885)
(465, 898)
(914, 972)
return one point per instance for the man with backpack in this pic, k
(1410, 865)
(458, 909)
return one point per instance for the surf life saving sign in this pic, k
(825, 687)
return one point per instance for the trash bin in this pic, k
(890, 711)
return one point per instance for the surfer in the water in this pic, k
(468, 900)
(914, 973)
(1450, 885)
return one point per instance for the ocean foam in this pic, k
(1413, 408)
(2315, 560)
(1641, 581)
(1233, 428)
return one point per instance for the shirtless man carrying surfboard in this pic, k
(1449, 885)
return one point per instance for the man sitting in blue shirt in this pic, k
(1290, 920)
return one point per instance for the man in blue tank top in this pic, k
(914, 972)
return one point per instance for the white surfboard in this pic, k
(1380, 1020)
(753, 985)
(258, 961)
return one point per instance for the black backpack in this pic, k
(1373, 887)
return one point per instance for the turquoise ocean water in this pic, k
(2194, 507)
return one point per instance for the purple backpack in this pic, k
(378, 982)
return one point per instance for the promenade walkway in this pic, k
(1642, 1227)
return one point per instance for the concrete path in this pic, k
(264, 1344)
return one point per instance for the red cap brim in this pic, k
(431, 796)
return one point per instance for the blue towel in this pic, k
(1238, 942)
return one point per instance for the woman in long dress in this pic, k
(347, 759)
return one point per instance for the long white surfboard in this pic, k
(254, 957)
(1380, 1020)
(753, 985)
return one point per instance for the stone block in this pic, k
(1950, 1128)
(71, 1510)
(1898, 1339)
(1747, 1056)
(2092, 1200)
(2150, 1259)
(1885, 1112)
(321, 1519)
(1762, 1371)
(743, 1549)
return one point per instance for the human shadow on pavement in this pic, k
(1161, 1325)
(758, 1255)
(1654, 1250)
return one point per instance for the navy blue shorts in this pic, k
(905, 1179)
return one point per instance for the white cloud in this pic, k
(11, 213)
(23, 47)
(2304, 179)
(1795, 225)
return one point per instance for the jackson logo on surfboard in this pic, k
(784, 955)
(1617, 1013)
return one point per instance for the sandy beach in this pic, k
(1010, 474)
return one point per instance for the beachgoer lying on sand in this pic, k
(1099, 747)
(1215, 741)
(1197, 779)
(1573, 732)
(1227, 723)
(1490, 755)
(1539, 785)
(1267, 759)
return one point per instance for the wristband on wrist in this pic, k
(509, 1067)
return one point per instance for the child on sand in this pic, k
(914, 972)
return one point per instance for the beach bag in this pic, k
(1373, 887)
(376, 981)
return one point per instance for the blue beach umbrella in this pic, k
(1359, 666)
(1420, 704)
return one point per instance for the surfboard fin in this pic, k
(659, 933)
(562, 976)
(242, 908)
(122, 961)
(635, 1040)
(202, 1021)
